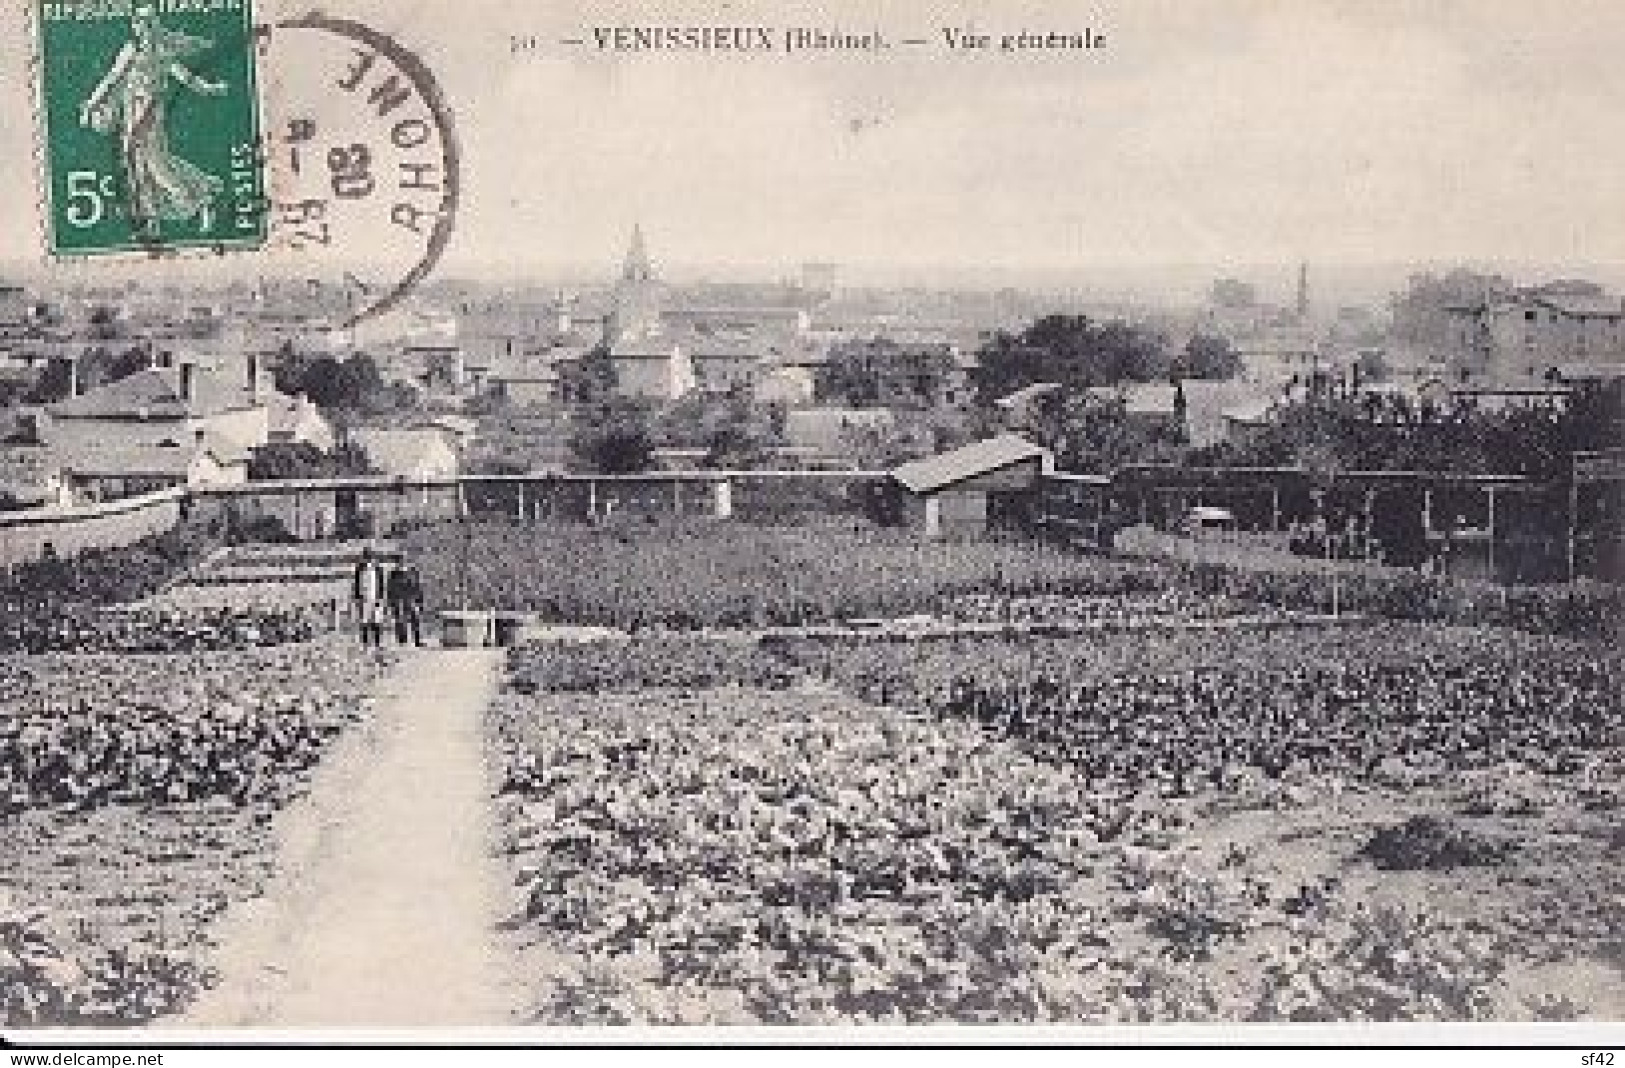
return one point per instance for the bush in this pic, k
(110, 576)
(1425, 843)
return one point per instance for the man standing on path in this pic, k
(370, 591)
(406, 603)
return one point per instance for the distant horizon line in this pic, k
(857, 274)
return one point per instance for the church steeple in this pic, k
(635, 315)
(637, 267)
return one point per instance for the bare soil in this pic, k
(383, 911)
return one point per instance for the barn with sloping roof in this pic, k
(967, 490)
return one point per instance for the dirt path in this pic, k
(384, 909)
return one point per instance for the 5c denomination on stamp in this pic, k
(149, 115)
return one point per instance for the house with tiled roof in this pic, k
(112, 471)
(160, 419)
(164, 404)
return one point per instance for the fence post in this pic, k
(1574, 518)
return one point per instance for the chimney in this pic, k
(188, 374)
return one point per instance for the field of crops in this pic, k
(107, 576)
(612, 665)
(720, 574)
(135, 793)
(1140, 793)
(793, 854)
(1180, 712)
(182, 624)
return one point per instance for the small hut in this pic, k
(962, 491)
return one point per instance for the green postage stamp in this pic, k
(149, 118)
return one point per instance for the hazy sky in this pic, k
(1205, 132)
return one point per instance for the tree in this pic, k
(1208, 357)
(1074, 351)
(351, 386)
(133, 359)
(104, 323)
(734, 430)
(1420, 315)
(590, 379)
(881, 371)
(613, 437)
(746, 435)
(1370, 367)
(849, 376)
(1097, 435)
(52, 385)
(300, 459)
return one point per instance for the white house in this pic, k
(297, 419)
(652, 370)
(417, 455)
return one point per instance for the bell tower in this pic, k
(637, 267)
(636, 312)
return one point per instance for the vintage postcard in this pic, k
(841, 518)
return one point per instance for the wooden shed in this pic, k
(959, 491)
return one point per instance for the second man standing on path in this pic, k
(406, 603)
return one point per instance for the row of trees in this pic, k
(1331, 433)
(300, 459)
(346, 388)
(619, 435)
(1077, 352)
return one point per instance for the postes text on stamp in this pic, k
(150, 125)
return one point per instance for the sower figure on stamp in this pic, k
(406, 603)
(133, 98)
(370, 593)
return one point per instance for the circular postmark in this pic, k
(362, 162)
